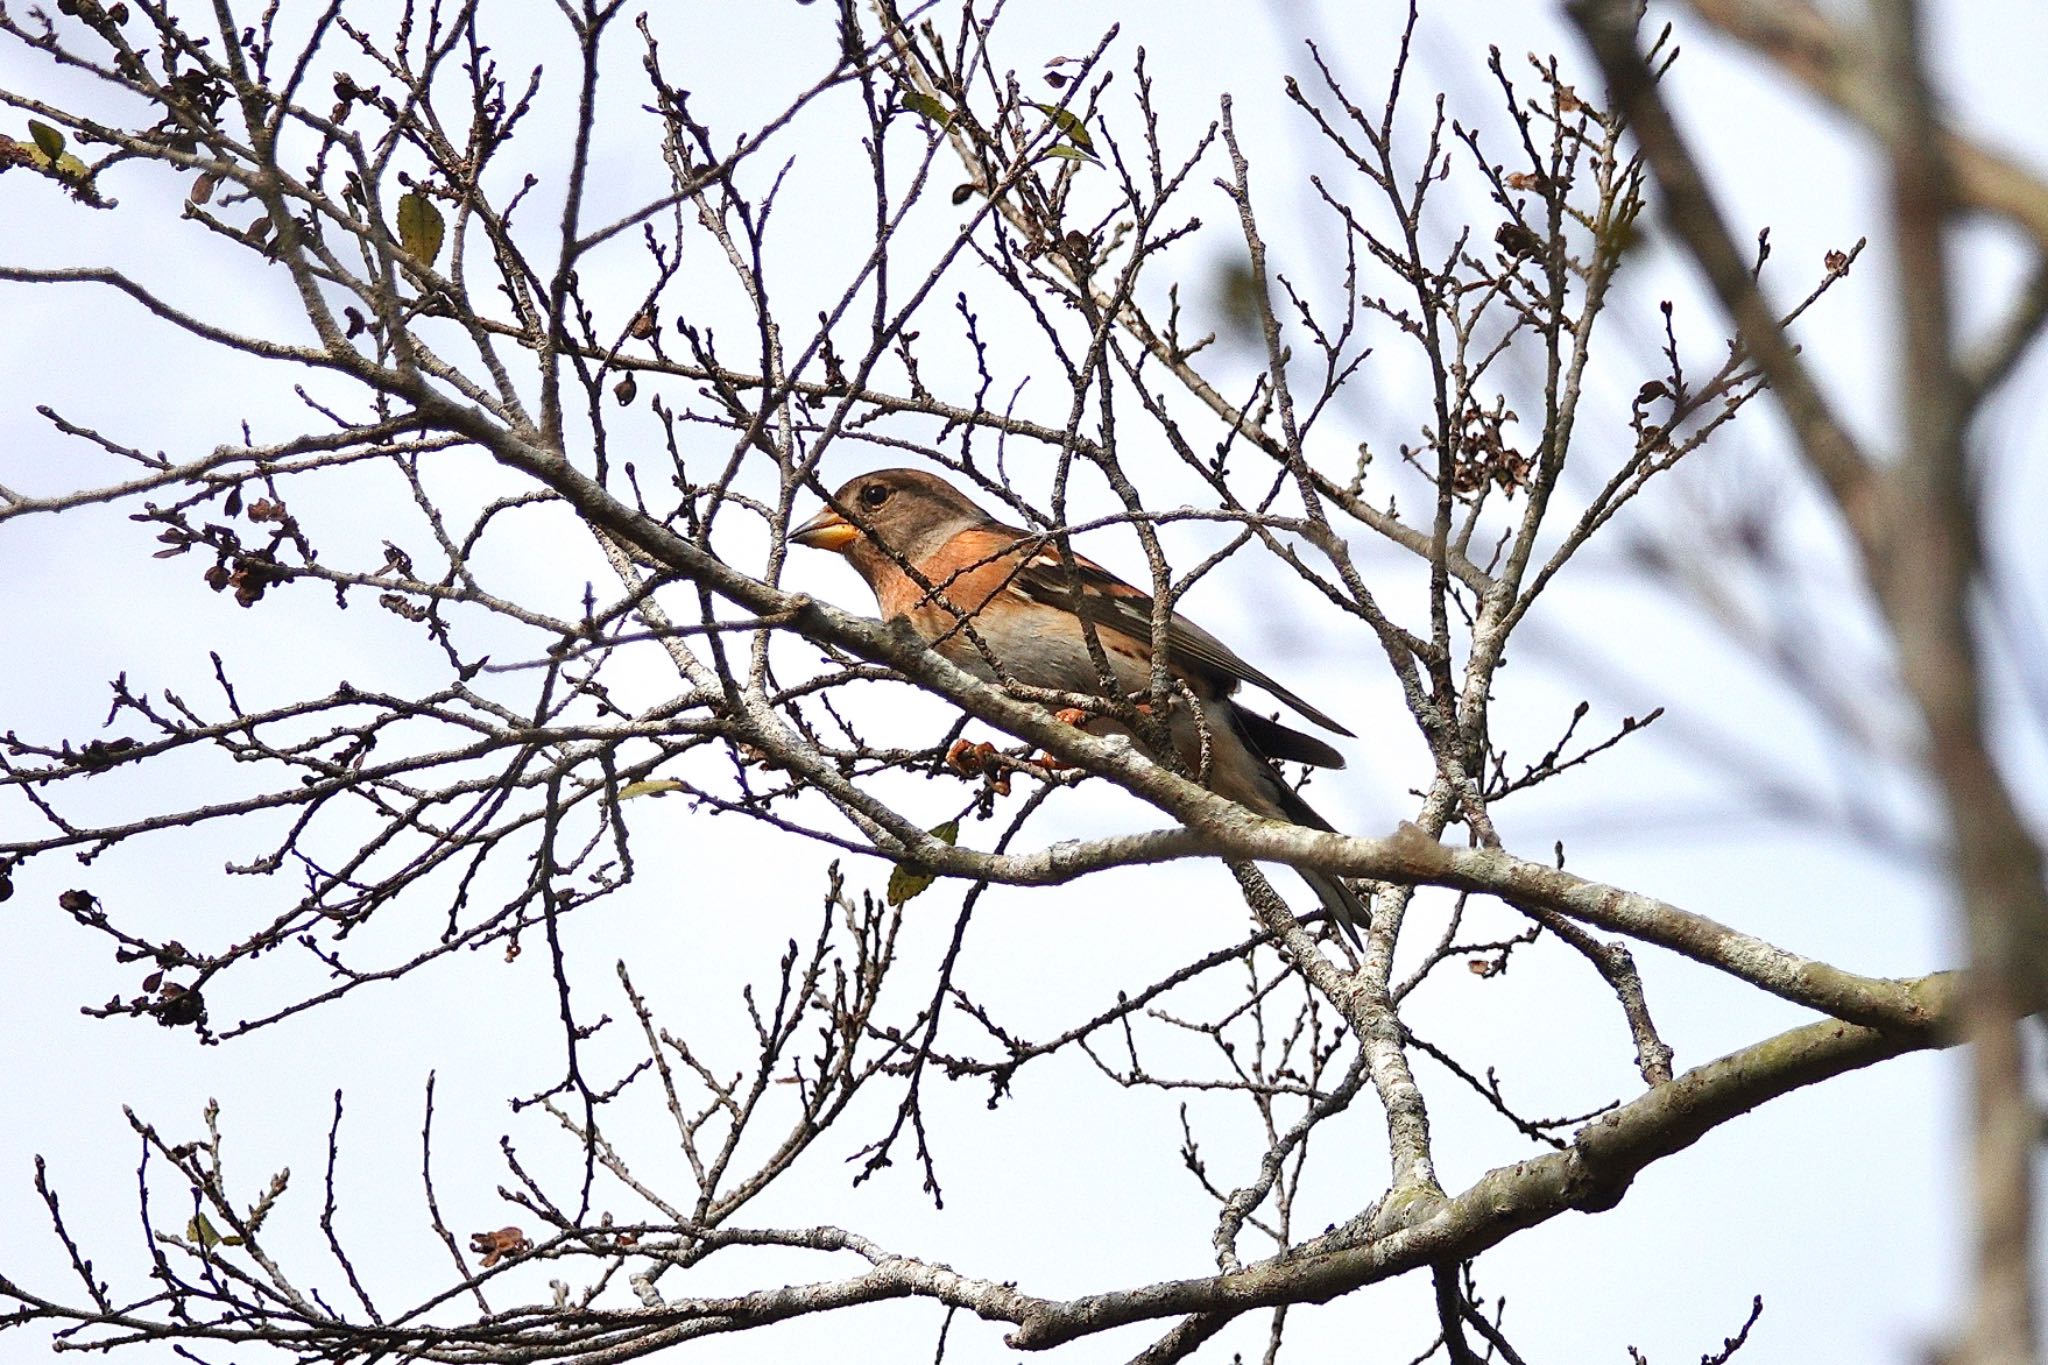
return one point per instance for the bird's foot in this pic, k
(1066, 715)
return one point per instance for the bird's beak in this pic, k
(826, 531)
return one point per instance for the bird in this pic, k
(983, 593)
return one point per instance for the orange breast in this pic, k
(964, 592)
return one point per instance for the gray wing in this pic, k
(1112, 604)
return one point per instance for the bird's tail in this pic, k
(1342, 903)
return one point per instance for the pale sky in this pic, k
(1840, 1205)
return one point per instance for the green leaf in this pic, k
(653, 786)
(47, 153)
(1066, 153)
(1070, 124)
(419, 227)
(917, 102)
(201, 1230)
(909, 880)
(47, 138)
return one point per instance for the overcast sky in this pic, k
(1841, 1206)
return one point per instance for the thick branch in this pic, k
(1925, 584)
(1590, 1175)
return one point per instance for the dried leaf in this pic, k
(495, 1246)
(1518, 241)
(400, 605)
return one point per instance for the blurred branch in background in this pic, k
(1914, 520)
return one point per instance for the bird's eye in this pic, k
(874, 495)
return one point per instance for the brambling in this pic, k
(986, 594)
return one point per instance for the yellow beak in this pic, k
(826, 531)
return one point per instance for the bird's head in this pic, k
(905, 512)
